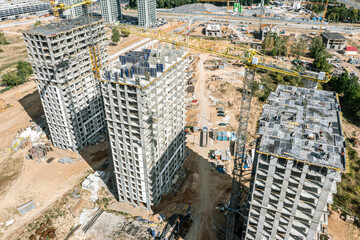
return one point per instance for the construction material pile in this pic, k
(29, 135)
(39, 151)
(198, 7)
(94, 182)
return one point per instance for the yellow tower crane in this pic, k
(252, 60)
(93, 47)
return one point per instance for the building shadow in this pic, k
(96, 154)
(186, 199)
(33, 107)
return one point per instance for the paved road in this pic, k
(13, 24)
(350, 3)
(253, 21)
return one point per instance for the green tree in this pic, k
(299, 47)
(317, 46)
(3, 40)
(12, 79)
(37, 23)
(333, 17)
(133, 4)
(115, 37)
(24, 70)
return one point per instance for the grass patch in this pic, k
(348, 193)
(5, 89)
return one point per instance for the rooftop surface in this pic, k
(143, 66)
(332, 35)
(62, 26)
(303, 124)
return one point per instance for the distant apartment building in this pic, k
(299, 158)
(213, 30)
(110, 10)
(20, 9)
(146, 12)
(144, 99)
(268, 29)
(71, 98)
(333, 41)
(72, 12)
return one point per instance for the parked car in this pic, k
(221, 114)
(220, 108)
(223, 124)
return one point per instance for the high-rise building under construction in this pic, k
(71, 97)
(110, 10)
(299, 158)
(144, 98)
(146, 12)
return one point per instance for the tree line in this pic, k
(19, 76)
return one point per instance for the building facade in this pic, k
(71, 98)
(110, 10)
(144, 98)
(72, 12)
(146, 12)
(20, 9)
(333, 41)
(300, 155)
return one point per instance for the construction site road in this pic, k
(17, 23)
(201, 94)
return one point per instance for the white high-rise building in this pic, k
(299, 158)
(71, 97)
(144, 99)
(72, 12)
(110, 10)
(146, 12)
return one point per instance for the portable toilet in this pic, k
(219, 135)
(224, 136)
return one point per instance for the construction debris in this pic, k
(94, 182)
(65, 160)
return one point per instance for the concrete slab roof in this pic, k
(305, 125)
(332, 35)
(62, 26)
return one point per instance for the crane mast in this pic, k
(93, 47)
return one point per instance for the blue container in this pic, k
(153, 233)
(219, 136)
(224, 136)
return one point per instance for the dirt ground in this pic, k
(341, 230)
(132, 39)
(16, 50)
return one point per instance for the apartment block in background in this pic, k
(21, 9)
(144, 98)
(72, 12)
(301, 153)
(71, 98)
(146, 12)
(110, 10)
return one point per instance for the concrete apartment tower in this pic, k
(146, 12)
(73, 12)
(110, 10)
(70, 96)
(144, 98)
(299, 159)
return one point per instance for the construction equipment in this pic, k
(93, 47)
(253, 60)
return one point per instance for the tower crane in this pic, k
(252, 60)
(93, 47)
